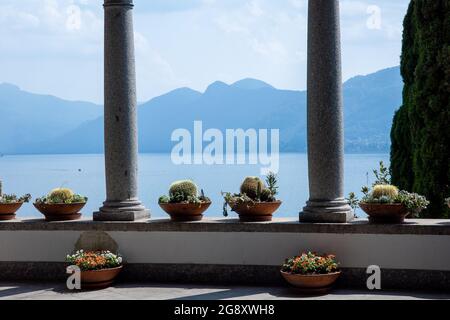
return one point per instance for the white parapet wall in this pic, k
(418, 246)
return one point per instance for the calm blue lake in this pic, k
(37, 174)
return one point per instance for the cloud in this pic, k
(56, 46)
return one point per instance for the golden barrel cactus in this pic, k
(252, 187)
(61, 195)
(384, 190)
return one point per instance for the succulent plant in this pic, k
(267, 196)
(164, 199)
(12, 198)
(60, 195)
(384, 190)
(252, 187)
(183, 191)
(183, 188)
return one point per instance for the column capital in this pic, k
(126, 3)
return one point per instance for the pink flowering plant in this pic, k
(311, 264)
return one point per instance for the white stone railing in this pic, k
(410, 255)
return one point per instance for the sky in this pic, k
(56, 46)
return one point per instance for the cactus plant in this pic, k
(183, 188)
(252, 187)
(384, 190)
(267, 196)
(61, 195)
(184, 191)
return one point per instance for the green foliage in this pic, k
(183, 190)
(311, 263)
(94, 260)
(382, 175)
(255, 192)
(413, 201)
(252, 187)
(62, 196)
(389, 194)
(12, 198)
(271, 180)
(353, 200)
(421, 132)
(164, 199)
(233, 199)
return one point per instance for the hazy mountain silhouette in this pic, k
(50, 125)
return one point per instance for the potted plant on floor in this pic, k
(311, 273)
(184, 203)
(385, 203)
(256, 201)
(10, 203)
(61, 204)
(98, 269)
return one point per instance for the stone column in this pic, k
(121, 144)
(325, 117)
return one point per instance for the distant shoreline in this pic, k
(150, 153)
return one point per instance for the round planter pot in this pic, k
(257, 212)
(8, 210)
(60, 212)
(185, 212)
(99, 279)
(385, 213)
(314, 283)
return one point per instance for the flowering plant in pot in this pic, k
(385, 203)
(183, 202)
(61, 204)
(10, 203)
(98, 268)
(256, 200)
(311, 272)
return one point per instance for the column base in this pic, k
(338, 211)
(122, 211)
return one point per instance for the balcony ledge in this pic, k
(283, 225)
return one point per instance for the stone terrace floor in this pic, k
(129, 291)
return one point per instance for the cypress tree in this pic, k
(420, 153)
(401, 151)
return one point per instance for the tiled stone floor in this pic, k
(55, 291)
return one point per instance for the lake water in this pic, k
(37, 174)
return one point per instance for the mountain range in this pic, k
(42, 124)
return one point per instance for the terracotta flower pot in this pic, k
(97, 279)
(256, 212)
(8, 210)
(184, 212)
(385, 213)
(60, 212)
(314, 283)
